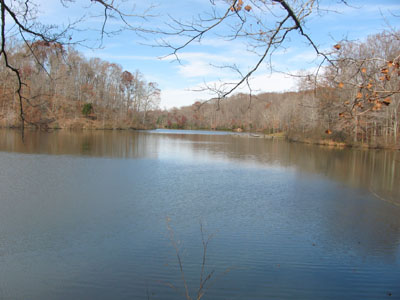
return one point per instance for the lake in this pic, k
(96, 215)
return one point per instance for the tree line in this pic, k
(354, 100)
(63, 89)
(353, 96)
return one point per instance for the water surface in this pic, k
(83, 215)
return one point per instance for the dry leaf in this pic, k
(387, 101)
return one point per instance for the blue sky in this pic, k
(178, 80)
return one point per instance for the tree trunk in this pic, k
(355, 129)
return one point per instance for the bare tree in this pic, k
(151, 99)
(19, 18)
(262, 25)
(365, 78)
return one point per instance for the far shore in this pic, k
(95, 126)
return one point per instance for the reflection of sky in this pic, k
(191, 132)
(375, 171)
(95, 221)
(206, 150)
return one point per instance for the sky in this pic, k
(200, 64)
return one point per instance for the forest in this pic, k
(352, 99)
(66, 90)
(355, 101)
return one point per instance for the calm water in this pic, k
(83, 216)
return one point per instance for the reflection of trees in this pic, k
(360, 224)
(377, 171)
(370, 169)
(121, 144)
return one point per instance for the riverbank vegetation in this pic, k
(63, 89)
(354, 101)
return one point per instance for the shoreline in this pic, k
(244, 134)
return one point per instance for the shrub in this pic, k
(87, 109)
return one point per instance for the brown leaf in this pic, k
(239, 5)
(328, 131)
(364, 70)
(377, 106)
(337, 46)
(247, 8)
(387, 101)
(385, 71)
(340, 85)
(359, 95)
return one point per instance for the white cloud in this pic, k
(196, 69)
(203, 69)
(275, 82)
(201, 56)
(211, 65)
(109, 56)
(220, 42)
(181, 97)
(305, 57)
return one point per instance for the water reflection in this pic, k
(377, 171)
(294, 221)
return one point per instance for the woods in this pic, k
(126, 125)
(63, 89)
(352, 97)
(355, 100)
